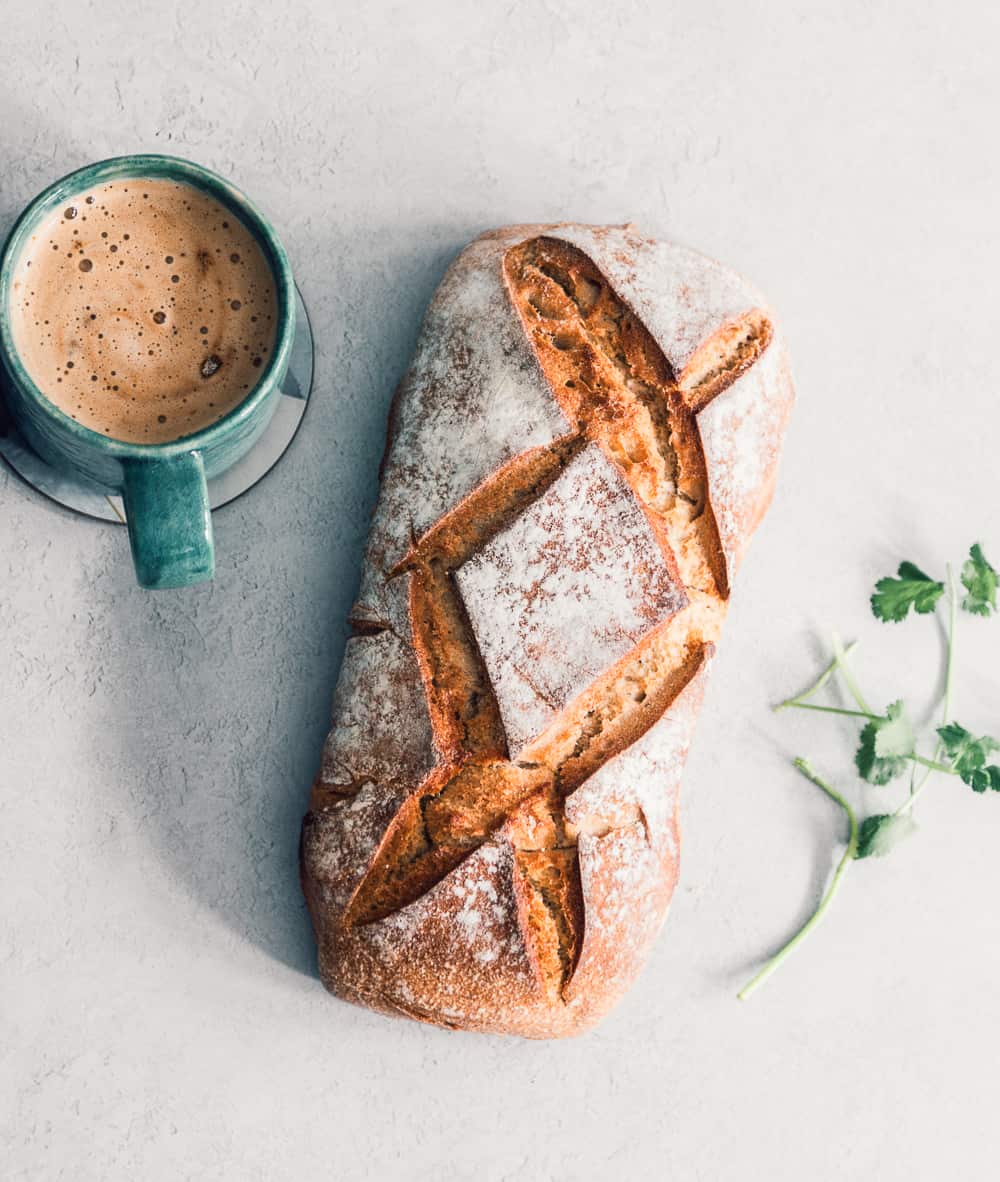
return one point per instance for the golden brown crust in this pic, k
(559, 601)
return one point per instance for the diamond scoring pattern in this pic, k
(597, 582)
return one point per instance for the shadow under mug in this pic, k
(163, 485)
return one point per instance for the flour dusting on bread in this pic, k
(585, 439)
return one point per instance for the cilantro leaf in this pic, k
(893, 598)
(879, 835)
(968, 756)
(885, 743)
(894, 734)
(980, 580)
(984, 777)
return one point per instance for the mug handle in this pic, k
(169, 521)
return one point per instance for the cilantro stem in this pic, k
(818, 684)
(950, 663)
(782, 955)
(949, 671)
(829, 710)
(932, 764)
(840, 655)
(911, 800)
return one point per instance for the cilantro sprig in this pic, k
(893, 598)
(980, 582)
(885, 747)
(888, 745)
(968, 757)
(882, 832)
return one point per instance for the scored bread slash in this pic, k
(585, 439)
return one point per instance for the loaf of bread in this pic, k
(585, 440)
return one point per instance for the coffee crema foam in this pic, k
(144, 309)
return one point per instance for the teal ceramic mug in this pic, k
(163, 485)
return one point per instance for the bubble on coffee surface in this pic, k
(150, 321)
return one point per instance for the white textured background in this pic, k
(160, 1016)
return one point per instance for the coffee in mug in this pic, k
(144, 309)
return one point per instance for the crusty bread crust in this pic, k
(586, 438)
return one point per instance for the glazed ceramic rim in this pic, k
(154, 167)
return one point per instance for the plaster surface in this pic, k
(160, 1014)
